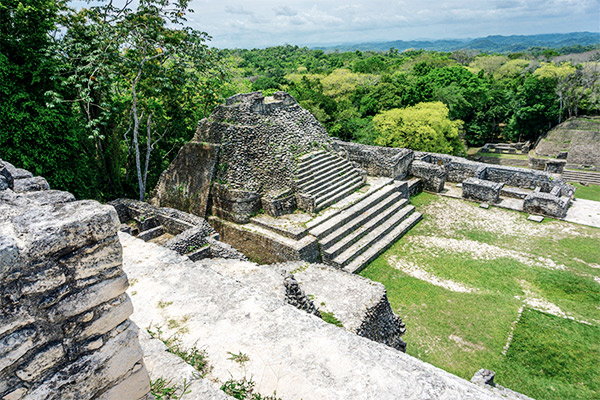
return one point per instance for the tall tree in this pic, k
(129, 67)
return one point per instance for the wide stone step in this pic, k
(329, 185)
(581, 176)
(329, 164)
(320, 162)
(323, 176)
(307, 157)
(376, 234)
(338, 194)
(325, 227)
(353, 236)
(383, 244)
(360, 220)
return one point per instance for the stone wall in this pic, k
(261, 246)
(433, 176)
(193, 235)
(64, 327)
(546, 204)
(185, 185)
(378, 161)
(481, 190)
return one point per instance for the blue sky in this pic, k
(247, 24)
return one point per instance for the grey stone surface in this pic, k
(376, 160)
(535, 218)
(265, 246)
(185, 184)
(432, 176)
(33, 184)
(289, 350)
(546, 204)
(64, 328)
(163, 364)
(360, 304)
(481, 190)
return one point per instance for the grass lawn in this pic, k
(502, 155)
(590, 192)
(465, 277)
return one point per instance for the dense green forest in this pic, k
(99, 100)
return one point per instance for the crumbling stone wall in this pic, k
(64, 327)
(376, 160)
(193, 235)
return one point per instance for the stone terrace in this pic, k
(290, 351)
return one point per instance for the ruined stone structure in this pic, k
(185, 233)
(543, 193)
(576, 141)
(257, 160)
(64, 327)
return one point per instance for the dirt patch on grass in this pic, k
(452, 216)
(465, 344)
(481, 251)
(417, 272)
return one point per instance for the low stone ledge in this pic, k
(433, 176)
(546, 204)
(378, 161)
(514, 192)
(264, 246)
(481, 190)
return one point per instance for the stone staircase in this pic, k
(581, 177)
(354, 236)
(324, 178)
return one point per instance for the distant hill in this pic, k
(495, 43)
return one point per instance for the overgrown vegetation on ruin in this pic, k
(468, 281)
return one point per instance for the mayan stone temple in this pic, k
(250, 243)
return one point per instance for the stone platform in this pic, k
(294, 353)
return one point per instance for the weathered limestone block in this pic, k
(433, 176)
(360, 304)
(34, 184)
(457, 169)
(64, 328)
(555, 166)
(6, 178)
(163, 364)
(378, 161)
(185, 185)
(234, 205)
(546, 204)
(481, 190)
(264, 246)
(100, 370)
(279, 203)
(295, 353)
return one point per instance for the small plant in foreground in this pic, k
(243, 389)
(330, 318)
(162, 390)
(193, 356)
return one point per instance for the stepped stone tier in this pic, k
(185, 233)
(290, 351)
(275, 186)
(64, 327)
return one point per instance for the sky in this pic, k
(262, 23)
